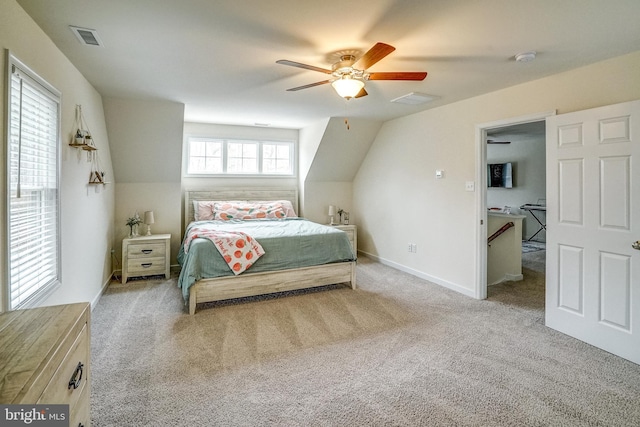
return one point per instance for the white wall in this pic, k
(87, 211)
(323, 194)
(146, 146)
(398, 200)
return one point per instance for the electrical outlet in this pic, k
(409, 247)
(414, 248)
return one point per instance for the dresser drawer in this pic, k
(40, 349)
(58, 391)
(146, 266)
(80, 414)
(149, 250)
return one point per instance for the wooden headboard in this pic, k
(237, 193)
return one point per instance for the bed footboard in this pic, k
(244, 285)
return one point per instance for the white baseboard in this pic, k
(508, 278)
(422, 275)
(118, 273)
(95, 301)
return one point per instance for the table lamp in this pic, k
(332, 212)
(148, 219)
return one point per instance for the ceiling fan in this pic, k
(348, 75)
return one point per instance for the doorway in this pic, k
(522, 147)
(525, 186)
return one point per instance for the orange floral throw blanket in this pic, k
(238, 249)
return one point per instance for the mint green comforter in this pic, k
(288, 243)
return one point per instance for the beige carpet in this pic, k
(398, 351)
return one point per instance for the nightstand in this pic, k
(352, 232)
(146, 256)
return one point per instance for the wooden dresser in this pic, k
(45, 358)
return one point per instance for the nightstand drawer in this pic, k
(146, 266)
(146, 256)
(352, 234)
(147, 250)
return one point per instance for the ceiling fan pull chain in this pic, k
(346, 114)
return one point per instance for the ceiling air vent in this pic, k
(86, 36)
(414, 98)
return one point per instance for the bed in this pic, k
(205, 277)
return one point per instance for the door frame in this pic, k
(480, 291)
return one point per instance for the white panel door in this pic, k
(593, 218)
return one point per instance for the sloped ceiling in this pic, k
(342, 149)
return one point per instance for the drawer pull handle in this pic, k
(146, 251)
(146, 265)
(73, 382)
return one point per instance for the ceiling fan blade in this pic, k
(398, 76)
(375, 54)
(361, 93)
(293, 89)
(305, 66)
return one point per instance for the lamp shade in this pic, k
(347, 87)
(148, 217)
(332, 210)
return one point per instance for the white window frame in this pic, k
(48, 267)
(225, 141)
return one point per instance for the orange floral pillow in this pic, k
(286, 205)
(229, 210)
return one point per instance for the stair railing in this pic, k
(500, 231)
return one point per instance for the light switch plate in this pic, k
(470, 186)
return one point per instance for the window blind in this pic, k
(33, 180)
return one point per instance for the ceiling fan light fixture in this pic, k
(347, 87)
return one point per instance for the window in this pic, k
(205, 157)
(211, 156)
(242, 157)
(33, 166)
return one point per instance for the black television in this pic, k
(500, 175)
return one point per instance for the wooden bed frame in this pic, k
(244, 285)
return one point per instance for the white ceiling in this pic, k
(218, 57)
